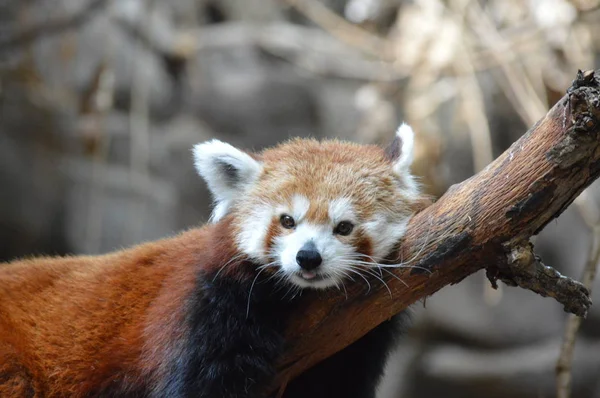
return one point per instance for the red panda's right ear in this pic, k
(400, 150)
(227, 172)
(400, 154)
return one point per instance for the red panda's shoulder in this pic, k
(99, 313)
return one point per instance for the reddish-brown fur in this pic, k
(273, 231)
(70, 325)
(329, 170)
(363, 244)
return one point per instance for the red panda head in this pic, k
(314, 210)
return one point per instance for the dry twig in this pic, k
(343, 30)
(591, 215)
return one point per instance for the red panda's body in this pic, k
(69, 325)
(202, 314)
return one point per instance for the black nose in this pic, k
(308, 258)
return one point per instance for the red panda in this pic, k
(203, 313)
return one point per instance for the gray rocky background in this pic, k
(101, 101)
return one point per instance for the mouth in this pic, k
(310, 279)
(312, 276)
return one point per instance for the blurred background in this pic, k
(101, 102)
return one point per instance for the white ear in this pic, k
(227, 172)
(400, 153)
(401, 149)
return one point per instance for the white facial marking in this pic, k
(300, 205)
(251, 239)
(341, 210)
(384, 234)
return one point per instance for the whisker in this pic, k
(338, 273)
(298, 291)
(271, 264)
(337, 286)
(250, 292)
(359, 274)
(344, 287)
(374, 259)
(396, 276)
(369, 264)
(344, 274)
(402, 263)
(234, 258)
(276, 274)
(283, 281)
(380, 279)
(295, 291)
(423, 245)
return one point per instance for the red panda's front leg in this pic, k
(233, 341)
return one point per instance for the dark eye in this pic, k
(344, 228)
(287, 221)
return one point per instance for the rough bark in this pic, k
(484, 222)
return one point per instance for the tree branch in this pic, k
(484, 222)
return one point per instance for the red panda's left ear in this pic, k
(227, 172)
(400, 150)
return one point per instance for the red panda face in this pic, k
(314, 212)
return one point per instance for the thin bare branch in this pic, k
(346, 32)
(590, 213)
